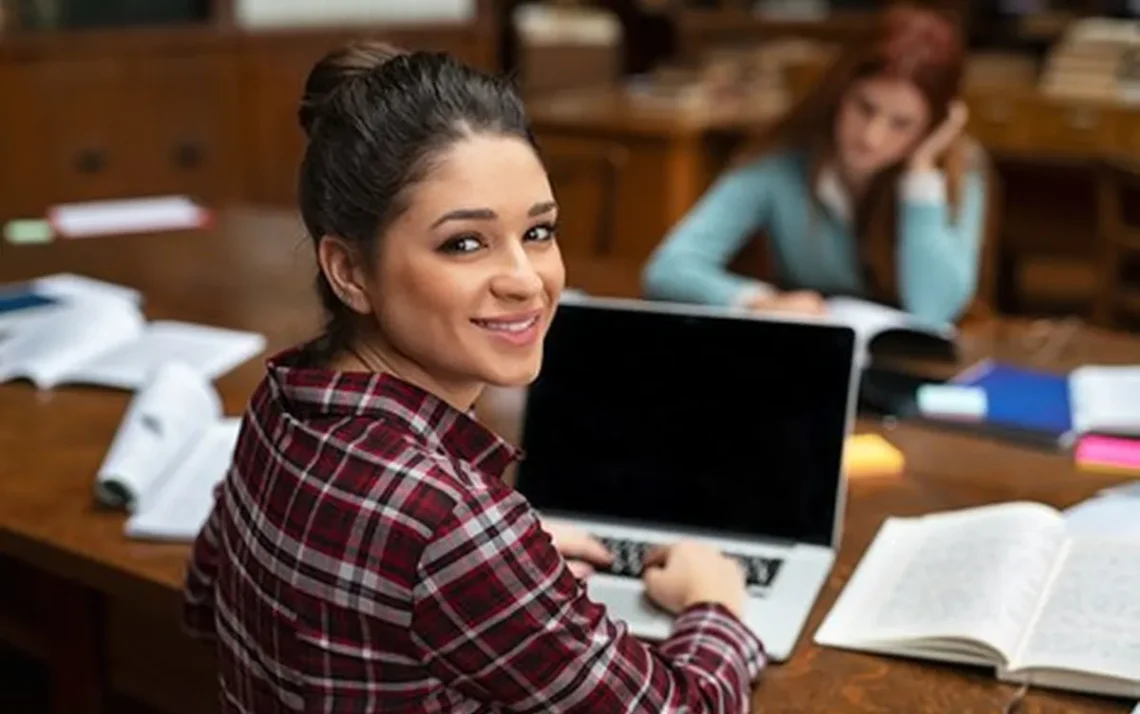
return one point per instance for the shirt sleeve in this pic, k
(939, 252)
(201, 574)
(691, 264)
(498, 616)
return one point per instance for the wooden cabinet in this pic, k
(46, 150)
(206, 112)
(186, 110)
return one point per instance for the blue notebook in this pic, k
(1023, 399)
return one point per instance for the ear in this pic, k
(343, 268)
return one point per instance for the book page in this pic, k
(869, 318)
(69, 337)
(1106, 399)
(1089, 619)
(173, 409)
(212, 351)
(975, 574)
(180, 507)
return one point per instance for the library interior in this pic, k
(928, 205)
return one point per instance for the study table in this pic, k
(103, 610)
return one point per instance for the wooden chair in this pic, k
(1118, 229)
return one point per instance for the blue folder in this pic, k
(1023, 399)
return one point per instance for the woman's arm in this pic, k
(938, 253)
(691, 263)
(201, 573)
(499, 617)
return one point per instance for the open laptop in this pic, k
(652, 422)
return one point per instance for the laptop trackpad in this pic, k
(624, 599)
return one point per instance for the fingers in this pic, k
(580, 569)
(655, 557)
(576, 545)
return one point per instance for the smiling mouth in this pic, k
(508, 326)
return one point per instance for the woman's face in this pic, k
(468, 278)
(879, 122)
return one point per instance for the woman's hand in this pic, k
(581, 550)
(925, 156)
(798, 302)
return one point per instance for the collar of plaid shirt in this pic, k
(314, 392)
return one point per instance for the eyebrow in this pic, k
(486, 214)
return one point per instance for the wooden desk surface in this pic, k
(255, 271)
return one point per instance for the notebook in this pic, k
(884, 330)
(106, 341)
(1106, 400)
(27, 301)
(1004, 586)
(172, 448)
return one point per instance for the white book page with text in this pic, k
(180, 507)
(1089, 619)
(211, 351)
(173, 409)
(48, 354)
(975, 575)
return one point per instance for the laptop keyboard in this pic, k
(629, 561)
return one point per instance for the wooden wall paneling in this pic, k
(187, 114)
(274, 67)
(52, 156)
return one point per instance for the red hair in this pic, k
(918, 45)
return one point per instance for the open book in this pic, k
(172, 448)
(1005, 586)
(884, 330)
(106, 341)
(1105, 400)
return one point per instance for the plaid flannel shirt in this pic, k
(363, 555)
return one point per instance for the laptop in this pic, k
(653, 422)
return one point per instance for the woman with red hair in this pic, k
(867, 188)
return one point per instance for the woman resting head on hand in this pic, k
(866, 188)
(363, 553)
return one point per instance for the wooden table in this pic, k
(112, 618)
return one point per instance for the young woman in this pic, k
(363, 554)
(866, 189)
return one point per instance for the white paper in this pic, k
(181, 506)
(142, 215)
(1109, 515)
(68, 338)
(212, 351)
(72, 287)
(169, 413)
(1106, 398)
(1089, 620)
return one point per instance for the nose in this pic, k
(516, 278)
(874, 133)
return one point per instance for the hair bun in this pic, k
(335, 70)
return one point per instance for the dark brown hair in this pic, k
(918, 45)
(376, 117)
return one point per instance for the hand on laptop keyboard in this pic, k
(689, 573)
(582, 551)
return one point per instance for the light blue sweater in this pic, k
(938, 250)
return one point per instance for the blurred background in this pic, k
(638, 103)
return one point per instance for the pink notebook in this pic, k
(1105, 453)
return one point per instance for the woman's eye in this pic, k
(462, 244)
(542, 232)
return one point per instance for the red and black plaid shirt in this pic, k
(363, 555)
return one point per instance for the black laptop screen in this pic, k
(708, 423)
